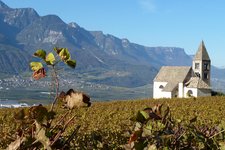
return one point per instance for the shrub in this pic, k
(155, 128)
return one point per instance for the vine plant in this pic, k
(51, 60)
(35, 128)
(155, 129)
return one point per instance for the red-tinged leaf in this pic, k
(135, 136)
(41, 73)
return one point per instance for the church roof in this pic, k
(196, 82)
(172, 73)
(170, 87)
(202, 53)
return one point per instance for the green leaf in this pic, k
(39, 113)
(140, 145)
(142, 116)
(160, 125)
(50, 59)
(145, 114)
(40, 53)
(149, 125)
(58, 50)
(64, 54)
(35, 66)
(71, 63)
(147, 131)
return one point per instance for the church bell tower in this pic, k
(202, 64)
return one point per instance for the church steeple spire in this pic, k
(202, 64)
(202, 53)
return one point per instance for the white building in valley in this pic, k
(185, 81)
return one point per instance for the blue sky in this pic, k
(178, 23)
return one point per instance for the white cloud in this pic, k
(147, 5)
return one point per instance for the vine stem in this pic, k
(217, 134)
(56, 80)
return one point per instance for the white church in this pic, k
(185, 81)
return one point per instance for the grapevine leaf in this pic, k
(160, 125)
(16, 144)
(41, 73)
(64, 54)
(141, 116)
(50, 59)
(152, 147)
(222, 145)
(40, 53)
(157, 109)
(140, 145)
(58, 50)
(41, 137)
(135, 136)
(149, 126)
(35, 66)
(144, 114)
(71, 63)
(39, 113)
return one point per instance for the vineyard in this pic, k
(110, 125)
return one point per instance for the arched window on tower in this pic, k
(206, 76)
(196, 65)
(206, 66)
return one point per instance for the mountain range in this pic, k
(106, 59)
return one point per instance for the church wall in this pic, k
(158, 90)
(197, 69)
(166, 95)
(181, 90)
(193, 92)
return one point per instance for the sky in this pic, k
(175, 23)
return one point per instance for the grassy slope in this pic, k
(115, 116)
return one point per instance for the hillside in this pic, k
(102, 59)
(23, 29)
